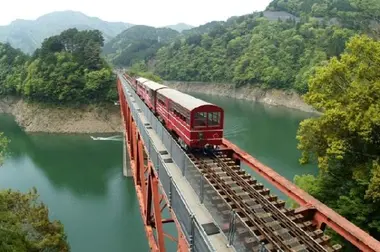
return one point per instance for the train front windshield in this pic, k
(207, 119)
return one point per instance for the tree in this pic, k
(345, 140)
(11, 68)
(139, 69)
(3, 146)
(25, 224)
(66, 69)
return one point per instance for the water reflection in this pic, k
(82, 165)
(81, 181)
(76, 163)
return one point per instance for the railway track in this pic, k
(262, 220)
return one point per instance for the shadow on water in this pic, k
(75, 162)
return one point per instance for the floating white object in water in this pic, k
(112, 138)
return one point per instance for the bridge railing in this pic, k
(194, 233)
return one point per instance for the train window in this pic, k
(213, 118)
(161, 101)
(151, 95)
(180, 116)
(200, 119)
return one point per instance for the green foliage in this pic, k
(3, 145)
(66, 69)
(252, 50)
(25, 224)
(139, 69)
(345, 140)
(12, 67)
(316, 8)
(269, 49)
(355, 14)
(137, 43)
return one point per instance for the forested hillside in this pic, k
(137, 43)
(29, 34)
(253, 50)
(66, 69)
(351, 12)
(277, 48)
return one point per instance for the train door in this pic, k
(161, 107)
(152, 97)
(169, 111)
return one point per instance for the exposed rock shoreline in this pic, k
(34, 117)
(275, 97)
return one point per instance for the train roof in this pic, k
(187, 101)
(153, 85)
(142, 80)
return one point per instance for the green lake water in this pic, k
(81, 179)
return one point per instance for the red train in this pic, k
(195, 123)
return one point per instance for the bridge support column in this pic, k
(127, 171)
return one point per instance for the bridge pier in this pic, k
(127, 171)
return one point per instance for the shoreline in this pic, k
(274, 97)
(38, 118)
(105, 118)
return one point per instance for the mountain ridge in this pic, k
(28, 35)
(179, 27)
(139, 42)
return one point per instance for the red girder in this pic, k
(147, 185)
(321, 214)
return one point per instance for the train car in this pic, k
(149, 93)
(139, 86)
(132, 81)
(194, 122)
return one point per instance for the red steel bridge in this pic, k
(213, 203)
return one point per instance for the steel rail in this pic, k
(299, 237)
(269, 207)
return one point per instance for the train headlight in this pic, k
(201, 135)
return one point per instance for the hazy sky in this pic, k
(148, 12)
